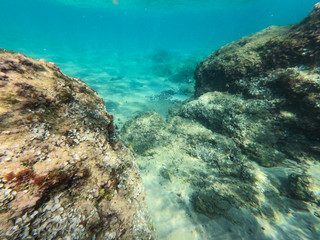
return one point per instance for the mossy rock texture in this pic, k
(63, 171)
(273, 48)
(144, 132)
(240, 176)
(245, 150)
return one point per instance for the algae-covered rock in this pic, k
(247, 121)
(274, 74)
(301, 187)
(197, 170)
(207, 172)
(245, 151)
(63, 172)
(143, 133)
(256, 55)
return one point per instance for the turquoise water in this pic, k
(129, 51)
(140, 56)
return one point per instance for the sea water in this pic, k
(131, 51)
(139, 56)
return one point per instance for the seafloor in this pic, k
(226, 144)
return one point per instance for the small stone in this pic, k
(299, 186)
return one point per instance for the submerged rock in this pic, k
(304, 187)
(254, 56)
(242, 158)
(280, 66)
(63, 172)
(143, 133)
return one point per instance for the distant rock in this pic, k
(63, 172)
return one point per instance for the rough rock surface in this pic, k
(242, 159)
(256, 55)
(244, 188)
(149, 135)
(63, 172)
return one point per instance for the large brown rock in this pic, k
(63, 172)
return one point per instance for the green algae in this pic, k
(106, 194)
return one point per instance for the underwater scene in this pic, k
(135, 53)
(158, 119)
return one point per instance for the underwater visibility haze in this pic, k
(224, 128)
(109, 44)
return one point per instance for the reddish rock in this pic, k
(63, 172)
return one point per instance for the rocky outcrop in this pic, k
(63, 172)
(239, 180)
(279, 66)
(246, 150)
(256, 55)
